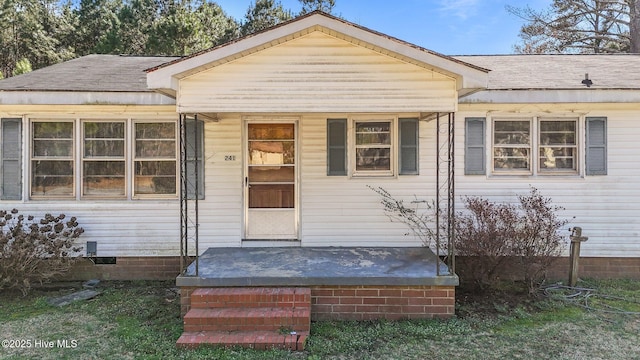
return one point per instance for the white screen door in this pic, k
(270, 181)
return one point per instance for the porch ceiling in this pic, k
(316, 266)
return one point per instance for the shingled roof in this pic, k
(110, 73)
(118, 73)
(558, 72)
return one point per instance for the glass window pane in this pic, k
(155, 177)
(54, 178)
(271, 196)
(271, 131)
(104, 130)
(373, 159)
(104, 148)
(511, 158)
(557, 158)
(53, 130)
(271, 174)
(104, 178)
(374, 133)
(155, 148)
(271, 152)
(53, 148)
(511, 132)
(165, 130)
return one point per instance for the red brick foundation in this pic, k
(128, 268)
(588, 267)
(382, 302)
(370, 302)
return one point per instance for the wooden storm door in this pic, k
(270, 181)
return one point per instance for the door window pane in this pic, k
(271, 168)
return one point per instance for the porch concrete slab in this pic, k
(313, 266)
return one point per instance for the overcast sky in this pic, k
(451, 27)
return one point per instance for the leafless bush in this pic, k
(418, 215)
(496, 238)
(35, 251)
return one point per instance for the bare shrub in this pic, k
(35, 251)
(523, 238)
(418, 215)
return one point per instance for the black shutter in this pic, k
(337, 147)
(596, 146)
(474, 145)
(11, 159)
(408, 156)
(195, 156)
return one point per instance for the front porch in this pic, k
(274, 285)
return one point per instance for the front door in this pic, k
(270, 181)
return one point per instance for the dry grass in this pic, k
(141, 321)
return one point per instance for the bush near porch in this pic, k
(141, 320)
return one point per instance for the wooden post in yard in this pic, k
(576, 238)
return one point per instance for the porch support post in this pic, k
(189, 177)
(445, 189)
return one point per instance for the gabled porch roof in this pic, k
(469, 78)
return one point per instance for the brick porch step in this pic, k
(261, 340)
(259, 318)
(250, 297)
(247, 319)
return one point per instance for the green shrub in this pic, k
(35, 251)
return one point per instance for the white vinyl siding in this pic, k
(317, 73)
(606, 207)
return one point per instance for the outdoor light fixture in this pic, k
(586, 80)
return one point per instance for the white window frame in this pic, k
(33, 158)
(534, 147)
(84, 159)
(134, 158)
(393, 147)
(78, 159)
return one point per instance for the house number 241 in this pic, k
(229, 158)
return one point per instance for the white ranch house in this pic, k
(296, 122)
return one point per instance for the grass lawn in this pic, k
(140, 320)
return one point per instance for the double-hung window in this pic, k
(535, 146)
(155, 158)
(373, 147)
(103, 159)
(52, 159)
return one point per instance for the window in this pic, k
(103, 159)
(373, 147)
(52, 162)
(99, 159)
(511, 145)
(557, 146)
(155, 159)
(554, 140)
